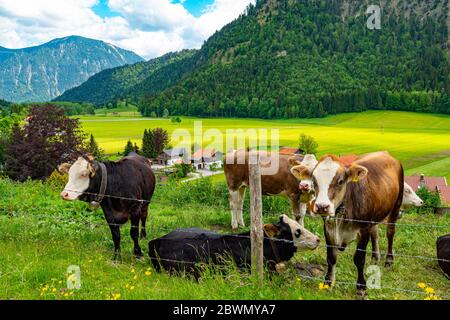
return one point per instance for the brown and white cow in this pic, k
(277, 180)
(352, 200)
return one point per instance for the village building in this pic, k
(171, 157)
(207, 159)
(433, 184)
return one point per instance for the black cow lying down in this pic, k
(186, 249)
(443, 253)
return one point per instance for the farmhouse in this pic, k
(206, 158)
(436, 184)
(172, 156)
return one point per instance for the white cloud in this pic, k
(148, 27)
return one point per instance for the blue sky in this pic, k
(150, 28)
(195, 7)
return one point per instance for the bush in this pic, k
(431, 200)
(47, 139)
(57, 180)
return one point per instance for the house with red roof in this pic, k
(433, 184)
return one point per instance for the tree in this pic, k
(147, 144)
(128, 148)
(93, 148)
(47, 139)
(308, 144)
(175, 120)
(160, 140)
(166, 113)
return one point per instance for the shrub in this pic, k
(57, 180)
(47, 139)
(431, 200)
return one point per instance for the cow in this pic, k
(443, 254)
(280, 183)
(123, 190)
(186, 250)
(352, 200)
(410, 199)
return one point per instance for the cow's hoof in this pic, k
(242, 224)
(376, 258)
(234, 226)
(389, 262)
(361, 294)
(330, 282)
(138, 254)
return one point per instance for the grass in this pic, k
(41, 236)
(414, 138)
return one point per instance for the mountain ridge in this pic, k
(309, 58)
(42, 72)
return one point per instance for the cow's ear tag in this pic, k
(355, 179)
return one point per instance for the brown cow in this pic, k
(370, 189)
(275, 180)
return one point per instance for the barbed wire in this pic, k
(238, 236)
(316, 279)
(98, 224)
(272, 213)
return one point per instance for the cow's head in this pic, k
(80, 174)
(288, 229)
(410, 198)
(302, 171)
(330, 178)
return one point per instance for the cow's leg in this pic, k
(330, 278)
(298, 209)
(134, 233)
(240, 217)
(360, 260)
(144, 212)
(115, 231)
(376, 256)
(234, 200)
(390, 232)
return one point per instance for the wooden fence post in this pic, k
(256, 225)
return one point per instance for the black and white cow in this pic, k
(186, 249)
(123, 189)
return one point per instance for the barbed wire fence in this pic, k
(160, 230)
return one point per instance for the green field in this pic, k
(41, 236)
(416, 139)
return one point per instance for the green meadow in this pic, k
(41, 236)
(420, 141)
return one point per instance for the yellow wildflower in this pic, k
(148, 273)
(54, 290)
(429, 290)
(132, 288)
(133, 270)
(323, 286)
(421, 285)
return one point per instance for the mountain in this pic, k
(43, 72)
(113, 84)
(310, 58)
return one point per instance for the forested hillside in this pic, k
(297, 58)
(310, 58)
(113, 84)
